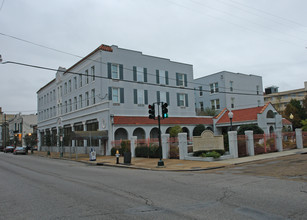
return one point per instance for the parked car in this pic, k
(20, 150)
(8, 149)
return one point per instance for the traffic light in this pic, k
(164, 110)
(151, 111)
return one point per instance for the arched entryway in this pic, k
(139, 133)
(186, 130)
(154, 133)
(121, 134)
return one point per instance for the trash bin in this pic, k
(127, 157)
(92, 155)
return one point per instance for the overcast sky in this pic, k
(265, 38)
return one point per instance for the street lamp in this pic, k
(291, 117)
(230, 115)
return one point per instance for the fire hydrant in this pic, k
(117, 157)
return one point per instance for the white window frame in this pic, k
(87, 100)
(214, 87)
(181, 79)
(215, 104)
(140, 97)
(116, 95)
(162, 77)
(182, 101)
(115, 71)
(93, 73)
(163, 97)
(140, 74)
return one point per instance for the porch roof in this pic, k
(136, 120)
(242, 115)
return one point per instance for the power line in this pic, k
(100, 62)
(123, 80)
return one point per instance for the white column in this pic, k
(84, 140)
(250, 143)
(183, 145)
(58, 136)
(39, 144)
(73, 142)
(165, 146)
(278, 140)
(233, 143)
(299, 138)
(132, 145)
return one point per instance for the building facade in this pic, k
(280, 100)
(228, 90)
(20, 126)
(108, 83)
(4, 128)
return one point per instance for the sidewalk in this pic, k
(173, 164)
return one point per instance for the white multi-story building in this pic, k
(109, 90)
(228, 90)
(20, 126)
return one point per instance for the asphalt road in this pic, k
(33, 187)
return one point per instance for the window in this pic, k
(115, 71)
(80, 80)
(215, 104)
(69, 86)
(51, 96)
(47, 97)
(76, 103)
(201, 104)
(87, 100)
(258, 103)
(93, 97)
(181, 79)
(181, 100)
(257, 88)
(65, 106)
(115, 95)
(232, 102)
(61, 109)
(70, 105)
(163, 97)
(75, 83)
(200, 91)
(54, 94)
(87, 77)
(93, 73)
(162, 77)
(140, 74)
(58, 109)
(231, 86)
(65, 88)
(54, 112)
(214, 87)
(80, 101)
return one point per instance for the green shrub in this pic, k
(154, 151)
(250, 127)
(213, 154)
(141, 151)
(125, 147)
(174, 152)
(204, 152)
(174, 131)
(198, 130)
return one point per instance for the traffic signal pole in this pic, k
(160, 162)
(152, 116)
